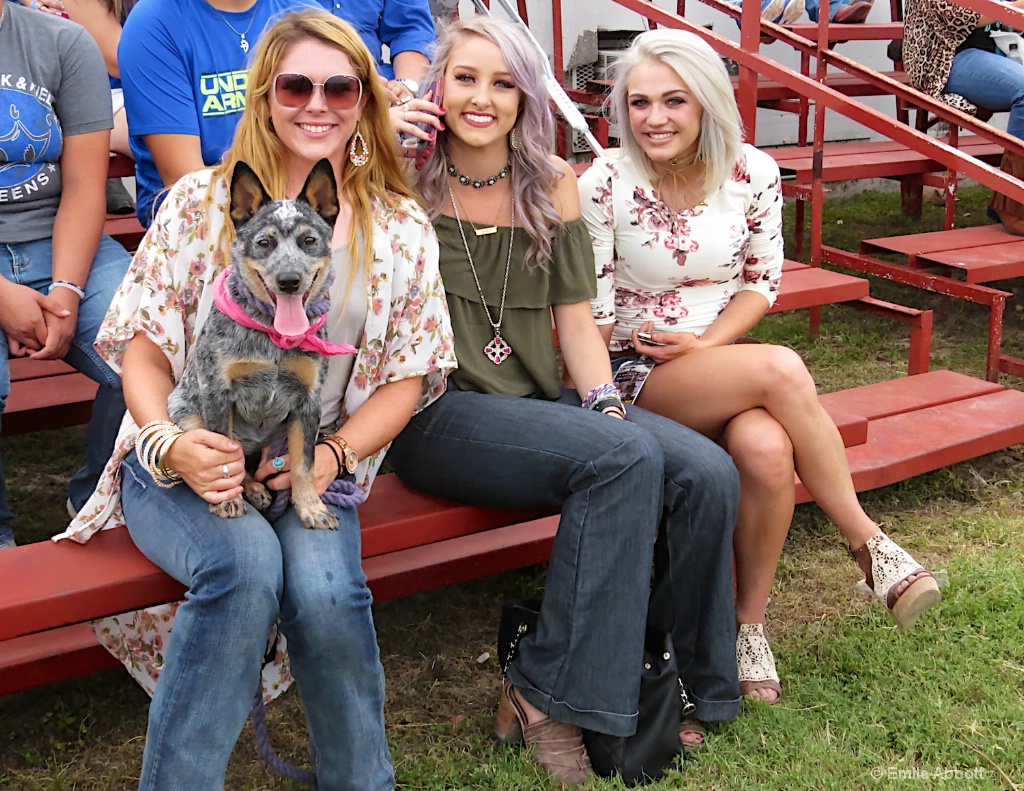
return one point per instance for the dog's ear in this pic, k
(247, 194)
(321, 191)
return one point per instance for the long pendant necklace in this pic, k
(241, 36)
(498, 350)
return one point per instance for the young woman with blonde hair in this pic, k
(313, 94)
(687, 230)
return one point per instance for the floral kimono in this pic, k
(165, 297)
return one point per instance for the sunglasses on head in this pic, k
(341, 92)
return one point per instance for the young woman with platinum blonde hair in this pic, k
(687, 231)
(514, 254)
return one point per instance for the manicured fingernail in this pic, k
(443, 127)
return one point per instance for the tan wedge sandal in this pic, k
(886, 565)
(755, 663)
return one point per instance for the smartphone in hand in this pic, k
(416, 149)
(646, 338)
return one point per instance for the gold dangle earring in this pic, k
(358, 150)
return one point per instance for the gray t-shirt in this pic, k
(53, 83)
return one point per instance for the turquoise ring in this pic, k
(277, 463)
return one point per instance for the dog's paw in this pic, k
(258, 495)
(317, 518)
(230, 509)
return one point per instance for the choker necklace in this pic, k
(241, 36)
(498, 350)
(476, 184)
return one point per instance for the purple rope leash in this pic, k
(271, 759)
(342, 494)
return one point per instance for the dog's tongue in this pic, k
(290, 316)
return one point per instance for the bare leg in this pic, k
(707, 389)
(763, 455)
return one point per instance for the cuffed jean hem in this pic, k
(600, 721)
(715, 710)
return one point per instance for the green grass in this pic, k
(866, 706)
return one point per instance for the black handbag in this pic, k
(645, 755)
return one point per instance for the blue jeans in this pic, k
(31, 264)
(616, 483)
(812, 8)
(243, 575)
(991, 81)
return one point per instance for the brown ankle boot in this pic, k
(558, 746)
(1003, 209)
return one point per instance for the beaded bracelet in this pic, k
(599, 393)
(610, 403)
(68, 285)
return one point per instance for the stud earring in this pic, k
(358, 150)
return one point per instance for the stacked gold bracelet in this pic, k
(151, 445)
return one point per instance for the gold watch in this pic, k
(349, 458)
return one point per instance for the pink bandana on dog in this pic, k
(307, 339)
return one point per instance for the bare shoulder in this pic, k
(565, 194)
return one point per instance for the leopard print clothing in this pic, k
(932, 31)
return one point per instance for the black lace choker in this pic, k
(477, 183)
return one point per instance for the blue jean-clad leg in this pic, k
(991, 81)
(325, 614)
(607, 476)
(212, 662)
(813, 8)
(701, 496)
(31, 264)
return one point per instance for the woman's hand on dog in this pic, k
(200, 457)
(325, 468)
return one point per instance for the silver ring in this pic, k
(277, 463)
(225, 472)
(403, 102)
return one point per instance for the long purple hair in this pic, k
(533, 173)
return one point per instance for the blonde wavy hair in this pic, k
(381, 179)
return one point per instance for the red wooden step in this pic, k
(24, 368)
(982, 264)
(57, 655)
(51, 402)
(908, 394)
(812, 286)
(126, 229)
(913, 245)
(901, 446)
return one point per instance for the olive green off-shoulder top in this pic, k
(569, 277)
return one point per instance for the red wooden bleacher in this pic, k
(412, 543)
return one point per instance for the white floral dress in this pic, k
(165, 297)
(680, 269)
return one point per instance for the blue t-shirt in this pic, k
(184, 72)
(404, 25)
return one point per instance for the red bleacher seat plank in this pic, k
(812, 286)
(50, 402)
(852, 428)
(908, 394)
(982, 264)
(913, 245)
(39, 659)
(905, 445)
(24, 368)
(459, 559)
(126, 229)
(395, 518)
